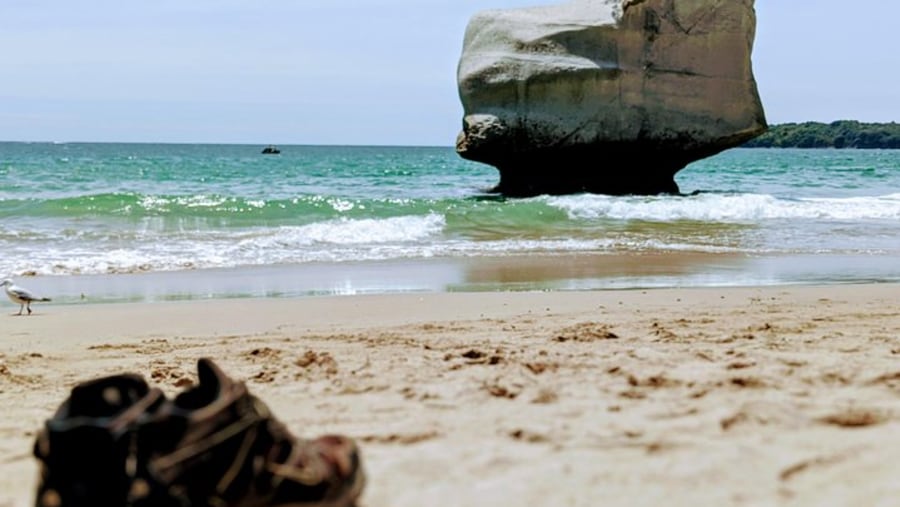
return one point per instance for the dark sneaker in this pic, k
(218, 445)
(86, 449)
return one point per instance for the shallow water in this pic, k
(343, 213)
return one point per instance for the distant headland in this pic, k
(837, 134)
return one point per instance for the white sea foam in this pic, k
(262, 252)
(346, 231)
(298, 247)
(856, 225)
(727, 207)
(157, 203)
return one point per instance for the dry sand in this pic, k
(763, 396)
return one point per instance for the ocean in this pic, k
(146, 222)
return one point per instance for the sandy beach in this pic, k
(680, 397)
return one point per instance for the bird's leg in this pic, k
(20, 309)
(28, 306)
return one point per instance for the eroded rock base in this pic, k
(611, 170)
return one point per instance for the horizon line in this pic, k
(242, 143)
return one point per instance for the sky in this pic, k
(355, 71)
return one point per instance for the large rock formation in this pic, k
(607, 96)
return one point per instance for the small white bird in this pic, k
(21, 296)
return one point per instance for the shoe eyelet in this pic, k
(50, 498)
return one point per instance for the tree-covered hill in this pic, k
(838, 134)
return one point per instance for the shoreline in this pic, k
(513, 273)
(700, 396)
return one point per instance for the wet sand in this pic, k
(682, 397)
(532, 272)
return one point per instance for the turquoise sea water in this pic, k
(376, 219)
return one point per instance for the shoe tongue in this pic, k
(208, 372)
(212, 382)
